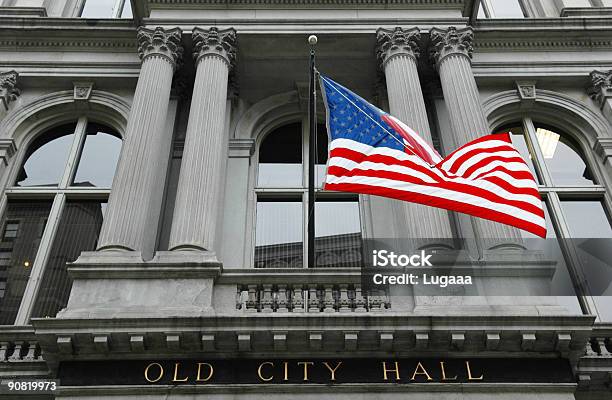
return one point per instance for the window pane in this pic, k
(280, 158)
(279, 234)
(561, 281)
(78, 231)
(98, 8)
(587, 219)
(563, 158)
(338, 233)
(127, 10)
(320, 166)
(589, 224)
(520, 143)
(507, 9)
(17, 252)
(99, 157)
(45, 160)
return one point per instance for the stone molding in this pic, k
(399, 41)
(290, 3)
(445, 42)
(241, 148)
(601, 86)
(8, 88)
(160, 42)
(215, 42)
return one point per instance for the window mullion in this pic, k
(487, 8)
(75, 150)
(536, 151)
(118, 8)
(42, 256)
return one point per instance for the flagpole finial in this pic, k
(312, 40)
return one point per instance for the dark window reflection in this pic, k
(280, 158)
(279, 233)
(45, 160)
(22, 224)
(321, 160)
(563, 158)
(99, 157)
(338, 233)
(78, 231)
(520, 143)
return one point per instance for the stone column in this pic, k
(135, 201)
(398, 51)
(199, 191)
(452, 54)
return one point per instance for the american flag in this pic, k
(372, 152)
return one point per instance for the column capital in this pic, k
(600, 87)
(215, 42)
(161, 42)
(8, 87)
(398, 41)
(449, 41)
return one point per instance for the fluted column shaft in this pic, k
(452, 52)
(135, 193)
(199, 189)
(398, 51)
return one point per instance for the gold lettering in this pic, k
(306, 364)
(469, 373)
(333, 371)
(396, 370)
(176, 369)
(286, 369)
(422, 371)
(210, 372)
(259, 371)
(161, 373)
(444, 378)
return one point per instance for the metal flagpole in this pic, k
(312, 151)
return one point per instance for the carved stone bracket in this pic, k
(399, 41)
(7, 149)
(527, 92)
(601, 86)
(160, 42)
(449, 41)
(215, 42)
(8, 87)
(603, 147)
(82, 90)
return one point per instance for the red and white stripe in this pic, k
(486, 178)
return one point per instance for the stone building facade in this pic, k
(153, 199)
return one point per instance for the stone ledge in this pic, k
(586, 12)
(130, 265)
(23, 12)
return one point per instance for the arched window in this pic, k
(54, 211)
(282, 205)
(575, 202)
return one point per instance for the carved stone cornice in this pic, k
(601, 86)
(449, 41)
(8, 87)
(160, 42)
(215, 42)
(399, 41)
